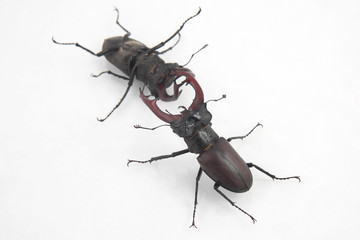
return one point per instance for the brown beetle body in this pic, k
(224, 165)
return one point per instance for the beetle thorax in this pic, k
(195, 128)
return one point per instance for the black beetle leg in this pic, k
(137, 126)
(130, 83)
(153, 49)
(242, 137)
(196, 194)
(174, 154)
(216, 187)
(118, 23)
(110, 73)
(271, 175)
(99, 54)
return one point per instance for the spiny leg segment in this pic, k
(250, 165)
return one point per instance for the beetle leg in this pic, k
(111, 73)
(147, 128)
(216, 187)
(196, 194)
(242, 137)
(118, 23)
(99, 54)
(130, 83)
(153, 49)
(271, 175)
(174, 154)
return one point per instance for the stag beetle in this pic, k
(217, 158)
(137, 60)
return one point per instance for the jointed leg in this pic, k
(242, 137)
(99, 54)
(196, 194)
(216, 187)
(147, 128)
(153, 49)
(130, 83)
(103, 52)
(271, 175)
(174, 154)
(111, 73)
(118, 23)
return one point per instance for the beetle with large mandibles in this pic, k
(139, 61)
(217, 158)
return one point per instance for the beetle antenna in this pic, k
(151, 50)
(194, 55)
(170, 48)
(146, 128)
(215, 100)
(242, 137)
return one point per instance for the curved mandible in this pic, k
(157, 111)
(199, 95)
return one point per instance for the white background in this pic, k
(291, 65)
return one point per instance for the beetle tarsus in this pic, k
(131, 81)
(172, 155)
(193, 225)
(110, 73)
(99, 54)
(137, 126)
(216, 187)
(271, 175)
(118, 23)
(196, 194)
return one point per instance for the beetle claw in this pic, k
(193, 225)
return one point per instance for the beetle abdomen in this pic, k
(224, 165)
(127, 50)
